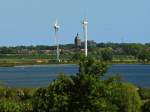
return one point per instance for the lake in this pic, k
(41, 76)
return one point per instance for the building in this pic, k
(90, 43)
(77, 40)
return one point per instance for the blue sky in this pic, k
(30, 22)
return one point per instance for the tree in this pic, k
(133, 49)
(146, 107)
(90, 94)
(144, 93)
(126, 98)
(144, 55)
(107, 54)
(9, 106)
(77, 56)
(91, 66)
(87, 92)
(64, 94)
(55, 98)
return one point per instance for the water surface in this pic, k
(39, 76)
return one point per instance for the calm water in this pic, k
(39, 76)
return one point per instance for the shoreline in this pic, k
(48, 64)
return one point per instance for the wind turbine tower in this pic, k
(56, 28)
(85, 25)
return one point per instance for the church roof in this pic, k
(77, 37)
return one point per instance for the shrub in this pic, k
(9, 106)
(126, 98)
(146, 106)
(144, 93)
(86, 92)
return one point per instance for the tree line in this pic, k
(104, 51)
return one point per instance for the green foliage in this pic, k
(90, 94)
(90, 66)
(146, 107)
(26, 106)
(77, 56)
(107, 54)
(8, 93)
(144, 93)
(54, 98)
(9, 106)
(15, 100)
(144, 55)
(86, 92)
(127, 98)
(133, 49)
(111, 52)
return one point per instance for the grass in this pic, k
(11, 60)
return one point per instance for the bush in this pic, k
(86, 92)
(146, 106)
(54, 98)
(91, 66)
(126, 98)
(9, 106)
(144, 93)
(26, 106)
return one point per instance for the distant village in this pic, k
(78, 45)
(116, 52)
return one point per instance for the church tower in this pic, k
(77, 40)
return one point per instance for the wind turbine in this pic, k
(85, 25)
(56, 28)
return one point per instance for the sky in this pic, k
(30, 22)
